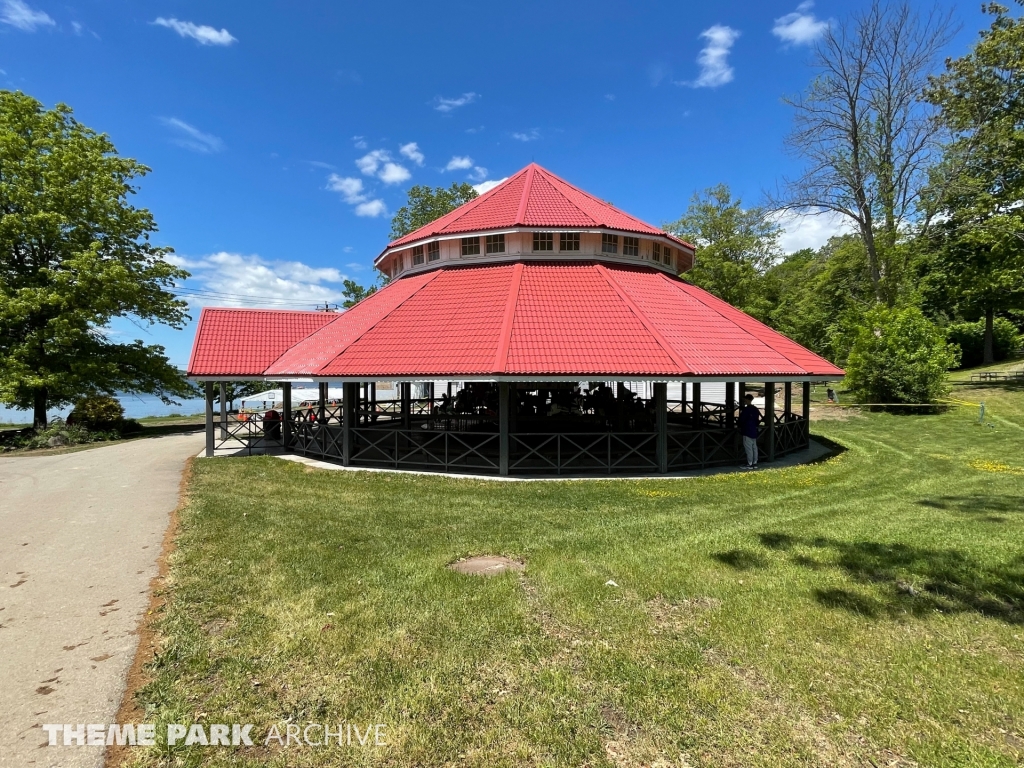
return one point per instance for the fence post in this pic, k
(769, 417)
(503, 409)
(730, 404)
(661, 419)
(807, 414)
(286, 416)
(406, 393)
(209, 420)
(223, 412)
(349, 393)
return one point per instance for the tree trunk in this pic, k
(989, 353)
(39, 416)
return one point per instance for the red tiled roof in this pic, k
(534, 197)
(243, 342)
(528, 319)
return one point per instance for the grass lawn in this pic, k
(867, 611)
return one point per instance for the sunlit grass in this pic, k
(868, 609)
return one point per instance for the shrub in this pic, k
(970, 337)
(97, 412)
(899, 356)
(58, 433)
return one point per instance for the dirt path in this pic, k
(80, 534)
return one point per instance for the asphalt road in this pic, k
(80, 534)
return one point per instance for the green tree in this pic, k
(978, 188)
(354, 293)
(427, 204)
(735, 246)
(74, 254)
(899, 356)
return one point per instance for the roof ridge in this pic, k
(511, 303)
(195, 342)
(684, 367)
(462, 210)
(545, 172)
(596, 200)
(524, 199)
(679, 285)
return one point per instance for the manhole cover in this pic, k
(486, 566)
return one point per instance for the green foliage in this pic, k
(427, 204)
(970, 337)
(354, 293)
(58, 434)
(97, 412)
(899, 356)
(978, 264)
(818, 298)
(74, 254)
(735, 246)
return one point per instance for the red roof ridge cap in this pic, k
(681, 283)
(505, 336)
(524, 198)
(461, 210)
(195, 343)
(644, 320)
(371, 326)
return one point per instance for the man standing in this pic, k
(749, 420)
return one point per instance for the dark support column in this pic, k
(286, 416)
(807, 413)
(321, 406)
(620, 398)
(769, 417)
(209, 419)
(513, 407)
(503, 414)
(661, 420)
(787, 403)
(406, 395)
(373, 403)
(349, 393)
(682, 401)
(223, 412)
(741, 396)
(730, 404)
(696, 405)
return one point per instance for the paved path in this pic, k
(80, 534)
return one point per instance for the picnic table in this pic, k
(998, 376)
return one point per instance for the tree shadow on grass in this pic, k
(988, 507)
(910, 580)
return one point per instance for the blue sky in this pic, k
(283, 135)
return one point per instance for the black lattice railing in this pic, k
(425, 449)
(246, 432)
(582, 452)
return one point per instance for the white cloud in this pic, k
(799, 27)
(412, 151)
(478, 174)
(359, 142)
(76, 27)
(530, 135)
(239, 280)
(487, 186)
(320, 164)
(371, 208)
(610, 96)
(351, 189)
(21, 16)
(459, 163)
(202, 34)
(192, 138)
(442, 104)
(714, 57)
(393, 173)
(807, 230)
(352, 192)
(371, 161)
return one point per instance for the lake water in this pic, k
(135, 407)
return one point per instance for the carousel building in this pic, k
(535, 330)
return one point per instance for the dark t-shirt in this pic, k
(750, 418)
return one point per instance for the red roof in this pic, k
(535, 319)
(243, 342)
(534, 197)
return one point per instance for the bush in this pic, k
(97, 412)
(899, 356)
(970, 337)
(59, 433)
